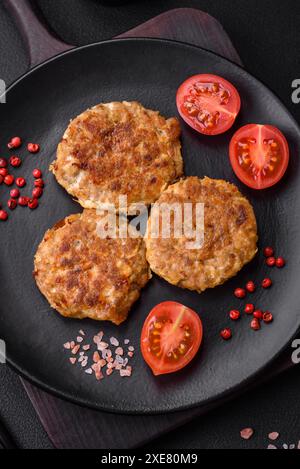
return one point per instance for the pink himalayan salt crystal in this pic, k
(114, 341)
(73, 360)
(75, 349)
(125, 373)
(272, 447)
(119, 351)
(247, 433)
(273, 436)
(67, 345)
(96, 357)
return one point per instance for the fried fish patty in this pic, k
(83, 275)
(229, 234)
(118, 148)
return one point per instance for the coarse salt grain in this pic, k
(103, 344)
(96, 339)
(108, 361)
(273, 436)
(247, 433)
(114, 341)
(75, 349)
(99, 375)
(119, 351)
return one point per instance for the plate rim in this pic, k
(211, 401)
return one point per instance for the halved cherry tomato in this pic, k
(259, 155)
(171, 337)
(208, 103)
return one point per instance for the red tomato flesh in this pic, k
(259, 155)
(208, 103)
(171, 337)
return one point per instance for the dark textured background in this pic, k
(266, 35)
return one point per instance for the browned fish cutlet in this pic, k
(83, 275)
(118, 148)
(230, 235)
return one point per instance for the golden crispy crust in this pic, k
(230, 236)
(83, 275)
(118, 148)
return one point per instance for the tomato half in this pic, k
(208, 103)
(171, 337)
(259, 155)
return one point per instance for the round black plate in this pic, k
(39, 107)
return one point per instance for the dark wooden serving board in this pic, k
(69, 425)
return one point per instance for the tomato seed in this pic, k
(268, 252)
(240, 292)
(250, 287)
(280, 262)
(234, 314)
(266, 283)
(226, 334)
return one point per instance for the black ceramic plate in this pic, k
(39, 107)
